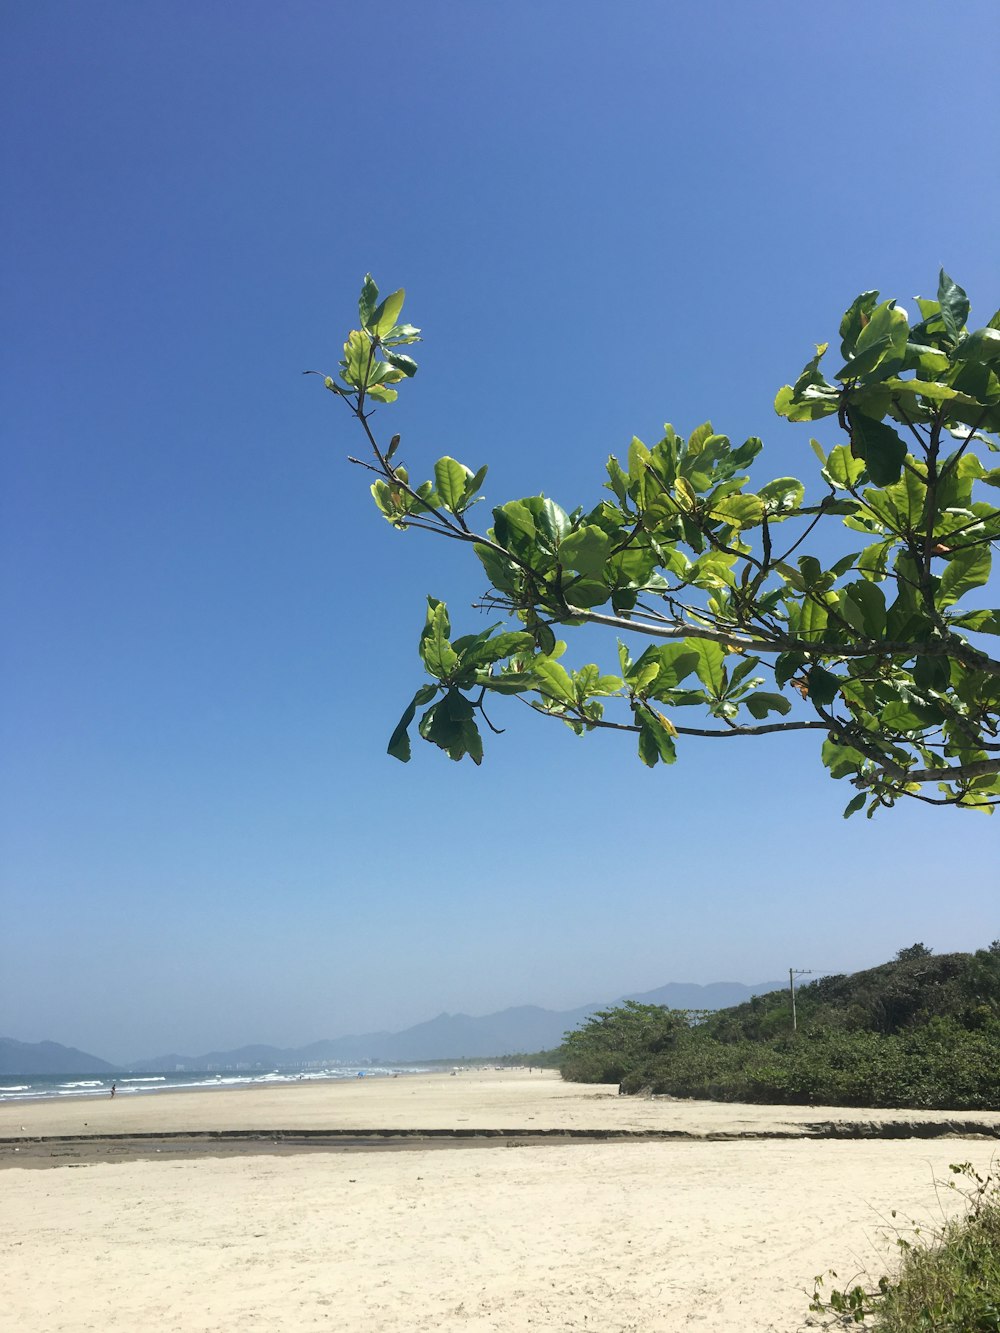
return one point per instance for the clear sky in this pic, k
(606, 216)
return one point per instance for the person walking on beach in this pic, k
(113, 1088)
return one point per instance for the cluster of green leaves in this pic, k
(875, 648)
(371, 363)
(918, 1032)
(949, 1278)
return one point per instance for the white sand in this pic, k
(619, 1238)
(488, 1099)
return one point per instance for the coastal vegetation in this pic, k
(854, 612)
(948, 1282)
(921, 1031)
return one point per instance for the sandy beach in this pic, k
(621, 1237)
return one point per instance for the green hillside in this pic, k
(922, 1031)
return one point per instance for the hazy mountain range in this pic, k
(47, 1057)
(448, 1037)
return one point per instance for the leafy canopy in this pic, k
(881, 650)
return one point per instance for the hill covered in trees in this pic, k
(921, 1031)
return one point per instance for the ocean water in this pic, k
(45, 1087)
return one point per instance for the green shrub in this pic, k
(949, 1283)
(920, 1032)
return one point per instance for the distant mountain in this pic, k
(47, 1057)
(716, 995)
(451, 1036)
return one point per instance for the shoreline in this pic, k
(227, 1081)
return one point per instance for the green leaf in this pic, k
(711, 664)
(812, 404)
(907, 715)
(399, 742)
(712, 570)
(684, 494)
(450, 725)
(698, 437)
(841, 759)
(354, 362)
(954, 305)
(927, 361)
(739, 511)
(842, 468)
(545, 640)
(968, 569)
(882, 339)
(551, 521)
(740, 673)
(502, 573)
(932, 672)
(656, 738)
(512, 520)
(472, 743)
(438, 656)
(404, 363)
(638, 457)
(474, 484)
(386, 313)
(854, 321)
(810, 376)
(450, 481)
(618, 479)
(983, 347)
(930, 316)
(588, 681)
(902, 504)
(586, 592)
(673, 661)
(786, 665)
(782, 496)
(862, 605)
(761, 703)
(509, 644)
(367, 300)
(853, 806)
(929, 389)
(400, 334)
(743, 456)
(585, 550)
(382, 496)
(873, 560)
(553, 680)
(642, 675)
(824, 686)
(984, 622)
(813, 575)
(879, 445)
(512, 682)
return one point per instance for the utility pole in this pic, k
(794, 972)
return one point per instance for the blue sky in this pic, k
(606, 217)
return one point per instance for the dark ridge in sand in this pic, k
(86, 1149)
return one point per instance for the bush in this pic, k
(949, 1284)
